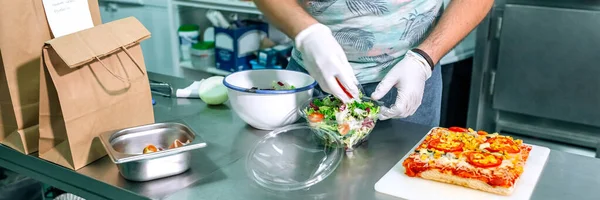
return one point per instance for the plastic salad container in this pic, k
(291, 158)
(332, 120)
(298, 156)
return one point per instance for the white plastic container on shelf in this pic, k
(188, 36)
(203, 55)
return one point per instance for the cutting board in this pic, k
(398, 184)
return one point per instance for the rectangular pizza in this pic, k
(473, 159)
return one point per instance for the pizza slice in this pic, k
(473, 159)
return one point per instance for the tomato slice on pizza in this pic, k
(446, 145)
(500, 144)
(484, 160)
(469, 158)
(458, 129)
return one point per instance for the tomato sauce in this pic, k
(415, 168)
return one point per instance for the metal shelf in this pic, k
(223, 5)
(212, 70)
(237, 6)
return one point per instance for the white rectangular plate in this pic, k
(398, 184)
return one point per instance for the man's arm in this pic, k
(458, 20)
(322, 56)
(287, 15)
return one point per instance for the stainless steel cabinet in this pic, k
(153, 14)
(537, 71)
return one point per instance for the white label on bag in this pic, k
(67, 16)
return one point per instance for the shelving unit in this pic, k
(223, 5)
(188, 65)
(237, 6)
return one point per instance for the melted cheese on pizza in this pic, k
(493, 158)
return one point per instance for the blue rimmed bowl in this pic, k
(252, 100)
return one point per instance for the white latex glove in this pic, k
(325, 60)
(408, 76)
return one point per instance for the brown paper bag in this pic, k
(23, 31)
(92, 81)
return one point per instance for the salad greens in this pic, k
(277, 85)
(351, 122)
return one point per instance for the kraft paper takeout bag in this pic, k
(92, 81)
(23, 31)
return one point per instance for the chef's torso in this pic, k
(375, 34)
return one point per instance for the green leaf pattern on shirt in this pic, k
(355, 38)
(316, 7)
(362, 7)
(375, 34)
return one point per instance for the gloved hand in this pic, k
(408, 76)
(326, 62)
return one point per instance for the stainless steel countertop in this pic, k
(218, 171)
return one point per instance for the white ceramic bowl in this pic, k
(268, 109)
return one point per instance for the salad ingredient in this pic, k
(212, 91)
(351, 122)
(277, 85)
(344, 128)
(315, 117)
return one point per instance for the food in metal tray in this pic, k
(177, 143)
(151, 148)
(473, 159)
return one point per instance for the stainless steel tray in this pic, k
(125, 147)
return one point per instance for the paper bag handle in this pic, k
(118, 76)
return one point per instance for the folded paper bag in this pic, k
(23, 31)
(92, 81)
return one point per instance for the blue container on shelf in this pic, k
(267, 57)
(235, 47)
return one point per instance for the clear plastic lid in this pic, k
(292, 158)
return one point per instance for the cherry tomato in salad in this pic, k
(481, 133)
(447, 146)
(458, 129)
(498, 144)
(315, 117)
(485, 160)
(344, 128)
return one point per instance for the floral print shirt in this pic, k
(375, 34)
